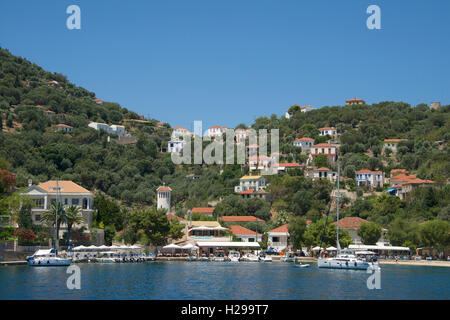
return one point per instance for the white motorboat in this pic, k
(106, 260)
(234, 256)
(302, 265)
(219, 257)
(288, 258)
(265, 258)
(47, 258)
(250, 257)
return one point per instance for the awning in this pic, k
(331, 248)
(172, 246)
(363, 247)
(230, 244)
(317, 248)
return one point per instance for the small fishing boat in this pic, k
(234, 256)
(250, 257)
(265, 258)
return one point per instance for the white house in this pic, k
(324, 173)
(179, 132)
(71, 194)
(305, 143)
(278, 238)
(331, 131)
(241, 135)
(216, 131)
(251, 182)
(369, 178)
(117, 129)
(245, 234)
(99, 126)
(175, 146)
(392, 144)
(259, 163)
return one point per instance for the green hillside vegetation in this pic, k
(125, 176)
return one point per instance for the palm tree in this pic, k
(48, 217)
(73, 216)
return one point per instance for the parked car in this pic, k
(271, 251)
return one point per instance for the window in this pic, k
(275, 239)
(37, 217)
(75, 202)
(251, 240)
(38, 203)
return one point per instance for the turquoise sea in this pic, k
(211, 280)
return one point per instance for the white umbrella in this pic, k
(79, 248)
(220, 228)
(189, 246)
(135, 247)
(172, 246)
(103, 247)
(201, 228)
(317, 248)
(124, 247)
(92, 247)
(114, 247)
(331, 248)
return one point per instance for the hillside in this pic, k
(32, 103)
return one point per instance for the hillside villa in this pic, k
(305, 143)
(354, 101)
(329, 150)
(113, 129)
(323, 173)
(253, 193)
(392, 144)
(369, 178)
(286, 166)
(71, 194)
(402, 184)
(179, 132)
(250, 182)
(216, 131)
(331, 131)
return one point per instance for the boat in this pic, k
(288, 257)
(203, 259)
(343, 259)
(234, 256)
(106, 260)
(301, 265)
(265, 258)
(250, 257)
(219, 257)
(49, 257)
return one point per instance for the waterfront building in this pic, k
(245, 234)
(278, 238)
(250, 182)
(163, 194)
(369, 178)
(71, 194)
(352, 224)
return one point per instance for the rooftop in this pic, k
(203, 210)
(350, 223)
(65, 186)
(241, 231)
(240, 219)
(282, 229)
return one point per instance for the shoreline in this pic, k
(422, 263)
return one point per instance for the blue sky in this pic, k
(228, 62)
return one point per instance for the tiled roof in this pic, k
(203, 210)
(369, 171)
(163, 188)
(250, 177)
(323, 145)
(240, 219)
(289, 165)
(241, 231)
(394, 140)
(323, 169)
(171, 216)
(350, 223)
(327, 128)
(354, 99)
(398, 171)
(182, 128)
(249, 191)
(65, 186)
(63, 126)
(304, 139)
(282, 229)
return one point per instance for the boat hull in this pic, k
(342, 264)
(49, 262)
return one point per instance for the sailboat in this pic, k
(344, 259)
(49, 257)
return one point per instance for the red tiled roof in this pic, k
(369, 171)
(354, 99)
(171, 216)
(304, 139)
(203, 210)
(350, 223)
(241, 231)
(398, 171)
(323, 145)
(163, 188)
(240, 219)
(323, 169)
(63, 126)
(394, 140)
(249, 191)
(180, 128)
(289, 165)
(327, 128)
(283, 228)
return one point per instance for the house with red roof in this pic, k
(330, 131)
(216, 131)
(245, 234)
(323, 173)
(240, 219)
(352, 224)
(206, 211)
(369, 178)
(278, 238)
(64, 128)
(392, 144)
(253, 193)
(99, 101)
(402, 184)
(354, 101)
(329, 150)
(286, 166)
(305, 143)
